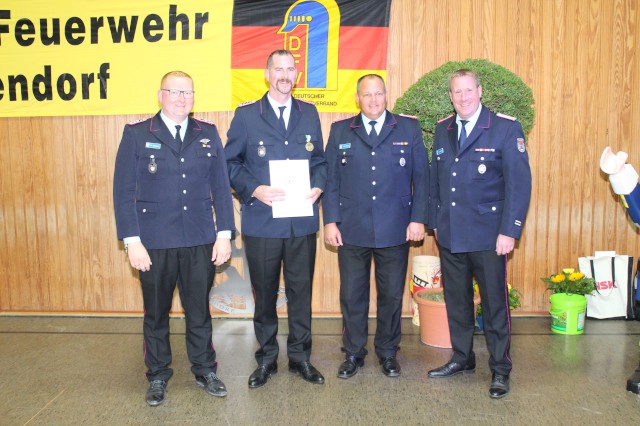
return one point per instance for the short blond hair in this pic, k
(174, 74)
(464, 72)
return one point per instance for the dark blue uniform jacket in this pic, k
(254, 138)
(173, 206)
(375, 189)
(482, 191)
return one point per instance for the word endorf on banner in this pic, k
(66, 85)
(94, 29)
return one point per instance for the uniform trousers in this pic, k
(490, 270)
(265, 257)
(390, 275)
(193, 272)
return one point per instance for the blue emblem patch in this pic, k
(344, 146)
(153, 145)
(440, 151)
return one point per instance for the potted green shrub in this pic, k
(568, 301)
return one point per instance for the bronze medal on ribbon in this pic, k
(309, 146)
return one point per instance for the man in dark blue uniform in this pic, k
(278, 127)
(170, 175)
(479, 196)
(374, 204)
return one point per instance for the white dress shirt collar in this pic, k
(471, 121)
(379, 122)
(287, 111)
(171, 125)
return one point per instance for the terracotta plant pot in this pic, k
(434, 325)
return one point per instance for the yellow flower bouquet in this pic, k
(570, 281)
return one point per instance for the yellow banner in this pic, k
(78, 57)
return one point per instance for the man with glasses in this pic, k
(170, 176)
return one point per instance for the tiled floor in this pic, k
(89, 371)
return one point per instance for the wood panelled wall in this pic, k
(58, 249)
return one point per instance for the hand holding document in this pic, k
(293, 177)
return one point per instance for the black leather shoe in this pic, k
(633, 382)
(307, 371)
(499, 386)
(350, 366)
(156, 392)
(260, 376)
(390, 366)
(452, 368)
(212, 384)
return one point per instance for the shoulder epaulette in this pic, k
(202, 120)
(246, 103)
(341, 119)
(506, 117)
(409, 116)
(446, 118)
(306, 101)
(134, 122)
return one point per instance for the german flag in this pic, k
(334, 42)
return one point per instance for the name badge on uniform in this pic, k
(344, 146)
(153, 167)
(153, 145)
(262, 151)
(440, 151)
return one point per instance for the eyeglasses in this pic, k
(175, 94)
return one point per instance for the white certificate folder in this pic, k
(293, 177)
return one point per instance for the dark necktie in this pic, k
(463, 134)
(178, 138)
(281, 119)
(372, 133)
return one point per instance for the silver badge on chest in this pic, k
(403, 162)
(482, 169)
(262, 150)
(153, 167)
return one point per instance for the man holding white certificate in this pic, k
(277, 167)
